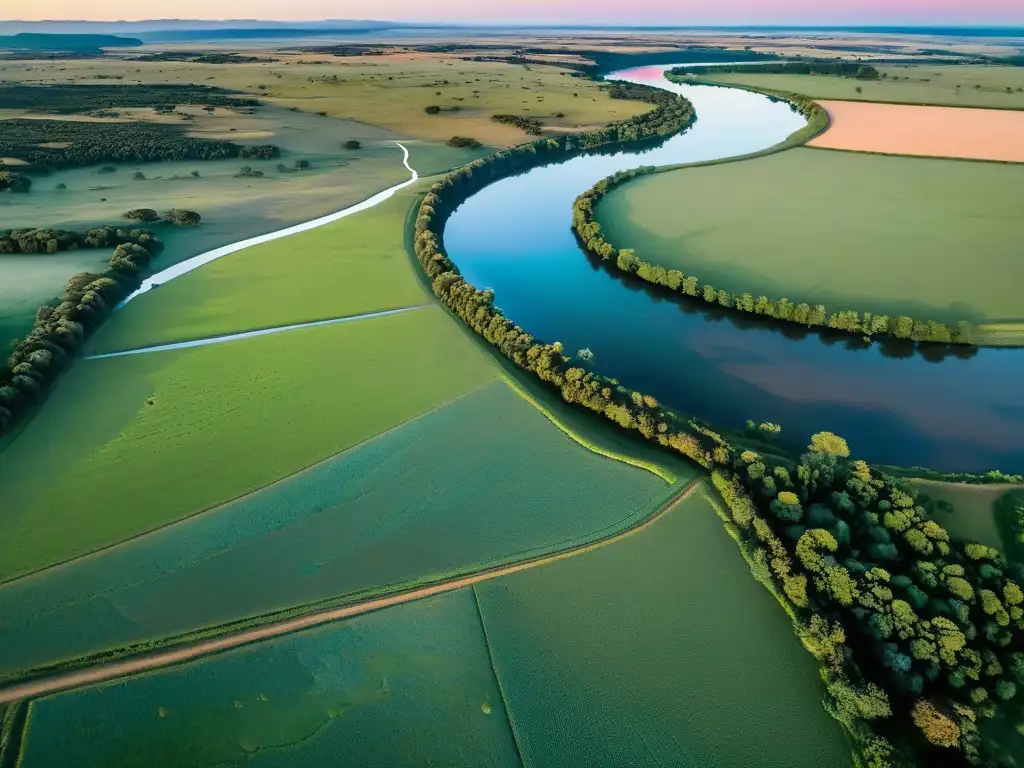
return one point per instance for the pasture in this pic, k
(482, 481)
(353, 266)
(410, 685)
(973, 517)
(996, 87)
(658, 649)
(898, 129)
(390, 91)
(214, 423)
(935, 239)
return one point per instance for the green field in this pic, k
(917, 84)
(410, 685)
(95, 465)
(481, 481)
(973, 518)
(659, 649)
(935, 239)
(356, 265)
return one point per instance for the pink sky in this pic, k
(541, 11)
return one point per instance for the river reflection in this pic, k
(896, 403)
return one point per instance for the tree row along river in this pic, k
(945, 408)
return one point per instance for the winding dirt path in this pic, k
(112, 670)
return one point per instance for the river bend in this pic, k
(952, 410)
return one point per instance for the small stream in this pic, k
(949, 409)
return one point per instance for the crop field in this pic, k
(439, 495)
(410, 685)
(390, 91)
(898, 129)
(889, 235)
(973, 518)
(214, 423)
(658, 649)
(353, 266)
(952, 86)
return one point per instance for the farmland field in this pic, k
(410, 685)
(898, 129)
(974, 517)
(481, 481)
(656, 649)
(353, 266)
(979, 86)
(214, 423)
(889, 235)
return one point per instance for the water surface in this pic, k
(943, 408)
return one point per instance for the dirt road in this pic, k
(124, 667)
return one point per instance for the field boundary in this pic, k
(915, 157)
(34, 686)
(497, 678)
(255, 333)
(648, 466)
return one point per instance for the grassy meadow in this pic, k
(213, 423)
(353, 266)
(937, 239)
(974, 517)
(482, 481)
(389, 91)
(953, 86)
(410, 685)
(658, 649)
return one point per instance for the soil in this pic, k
(977, 134)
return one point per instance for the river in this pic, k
(953, 410)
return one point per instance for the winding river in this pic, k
(960, 411)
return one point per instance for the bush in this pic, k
(433, 109)
(183, 218)
(463, 142)
(14, 182)
(142, 214)
(352, 144)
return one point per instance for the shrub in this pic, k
(183, 218)
(433, 109)
(463, 142)
(352, 144)
(142, 214)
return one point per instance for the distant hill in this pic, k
(35, 41)
(167, 25)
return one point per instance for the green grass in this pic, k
(927, 84)
(349, 267)
(481, 481)
(973, 517)
(98, 464)
(410, 685)
(928, 238)
(659, 649)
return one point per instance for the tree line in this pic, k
(10, 181)
(70, 143)
(835, 67)
(918, 633)
(72, 99)
(590, 234)
(60, 329)
(531, 126)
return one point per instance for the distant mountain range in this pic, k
(169, 25)
(37, 41)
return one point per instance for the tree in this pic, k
(352, 144)
(936, 727)
(585, 354)
(433, 109)
(183, 218)
(829, 444)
